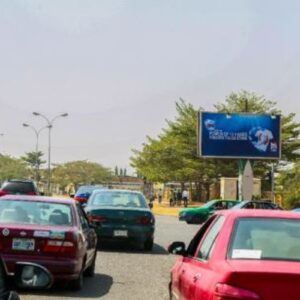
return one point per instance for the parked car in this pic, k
(256, 205)
(121, 215)
(240, 254)
(16, 187)
(198, 215)
(27, 275)
(84, 192)
(296, 210)
(54, 233)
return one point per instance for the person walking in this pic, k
(160, 195)
(178, 197)
(185, 197)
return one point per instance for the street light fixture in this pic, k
(37, 133)
(49, 126)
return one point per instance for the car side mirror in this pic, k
(5, 292)
(33, 276)
(42, 193)
(177, 248)
(71, 195)
(150, 205)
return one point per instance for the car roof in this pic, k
(260, 213)
(19, 180)
(38, 198)
(117, 190)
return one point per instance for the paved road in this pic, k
(123, 272)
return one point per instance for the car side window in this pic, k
(210, 238)
(191, 250)
(83, 219)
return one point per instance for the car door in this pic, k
(196, 272)
(89, 235)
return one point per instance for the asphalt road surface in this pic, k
(124, 272)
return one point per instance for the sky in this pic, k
(117, 67)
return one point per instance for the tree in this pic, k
(121, 172)
(80, 172)
(125, 172)
(116, 171)
(34, 161)
(12, 168)
(288, 186)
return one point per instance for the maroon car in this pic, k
(51, 232)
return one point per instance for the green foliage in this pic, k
(12, 168)
(80, 172)
(33, 159)
(288, 185)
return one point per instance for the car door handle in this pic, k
(182, 271)
(196, 277)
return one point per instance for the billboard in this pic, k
(253, 136)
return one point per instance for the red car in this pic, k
(54, 233)
(240, 254)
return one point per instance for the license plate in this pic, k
(23, 244)
(122, 233)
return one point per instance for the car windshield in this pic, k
(209, 204)
(118, 199)
(35, 213)
(18, 187)
(261, 238)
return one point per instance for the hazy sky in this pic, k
(118, 66)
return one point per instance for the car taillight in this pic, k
(228, 292)
(145, 220)
(66, 247)
(3, 193)
(96, 219)
(80, 199)
(31, 193)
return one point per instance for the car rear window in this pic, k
(266, 239)
(88, 189)
(118, 199)
(34, 212)
(18, 187)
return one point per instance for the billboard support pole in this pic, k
(242, 163)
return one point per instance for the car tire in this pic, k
(77, 284)
(90, 271)
(148, 245)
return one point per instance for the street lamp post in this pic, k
(49, 126)
(37, 133)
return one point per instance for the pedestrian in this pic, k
(178, 196)
(185, 197)
(160, 195)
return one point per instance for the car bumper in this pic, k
(137, 233)
(60, 268)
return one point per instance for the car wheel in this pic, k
(90, 271)
(196, 220)
(77, 284)
(148, 245)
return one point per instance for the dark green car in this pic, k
(198, 215)
(121, 215)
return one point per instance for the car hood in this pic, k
(192, 210)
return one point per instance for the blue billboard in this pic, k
(239, 135)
